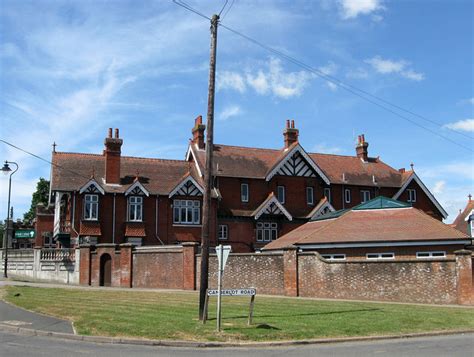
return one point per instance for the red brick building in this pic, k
(259, 194)
(464, 221)
(380, 229)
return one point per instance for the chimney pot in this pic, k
(361, 149)
(198, 132)
(112, 155)
(290, 134)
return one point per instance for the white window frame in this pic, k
(186, 212)
(91, 205)
(327, 194)
(431, 255)
(380, 256)
(411, 195)
(223, 232)
(135, 206)
(244, 192)
(347, 195)
(364, 196)
(334, 257)
(266, 232)
(310, 195)
(281, 194)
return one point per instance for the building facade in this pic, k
(258, 194)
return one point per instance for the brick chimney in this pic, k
(290, 134)
(198, 132)
(112, 157)
(361, 149)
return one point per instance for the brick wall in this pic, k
(403, 281)
(262, 271)
(437, 281)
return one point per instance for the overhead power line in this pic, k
(43, 159)
(350, 88)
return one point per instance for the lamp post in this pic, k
(6, 169)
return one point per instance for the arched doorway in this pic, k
(105, 270)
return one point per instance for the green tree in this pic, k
(39, 196)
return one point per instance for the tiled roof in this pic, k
(72, 170)
(237, 161)
(460, 222)
(90, 228)
(135, 229)
(372, 225)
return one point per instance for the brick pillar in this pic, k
(189, 265)
(126, 265)
(290, 271)
(464, 277)
(85, 265)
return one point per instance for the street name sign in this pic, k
(233, 292)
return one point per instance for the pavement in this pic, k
(14, 345)
(15, 317)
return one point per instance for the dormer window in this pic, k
(244, 192)
(364, 196)
(135, 208)
(91, 207)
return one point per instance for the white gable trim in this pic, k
(468, 217)
(303, 153)
(320, 210)
(415, 177)
(273, 200)
(94, 183)
(140, 186)
(190, 153)
(183, 182)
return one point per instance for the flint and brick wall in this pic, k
(264, 271)
(434, 281)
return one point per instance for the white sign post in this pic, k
(223, 252)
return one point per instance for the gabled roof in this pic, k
(271, 206)
(136, 187)
(414, 177)
(158, 176)
(92, 185)
(188, 186)
(248, 162)
(460, 223)
(321, 209)
(287, 154)
(371, 225)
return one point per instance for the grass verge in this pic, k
(173, 315)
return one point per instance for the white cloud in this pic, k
(401, 67)
(353, 8)
(229, 112)
(439, 186)
(230, 80)
(462, 125)
(272, 80)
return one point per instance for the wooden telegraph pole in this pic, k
(206, 217)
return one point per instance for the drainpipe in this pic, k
(113, 221)
(156, 221)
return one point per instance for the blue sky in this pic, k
(72, 69)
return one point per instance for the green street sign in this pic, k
(25, 233)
